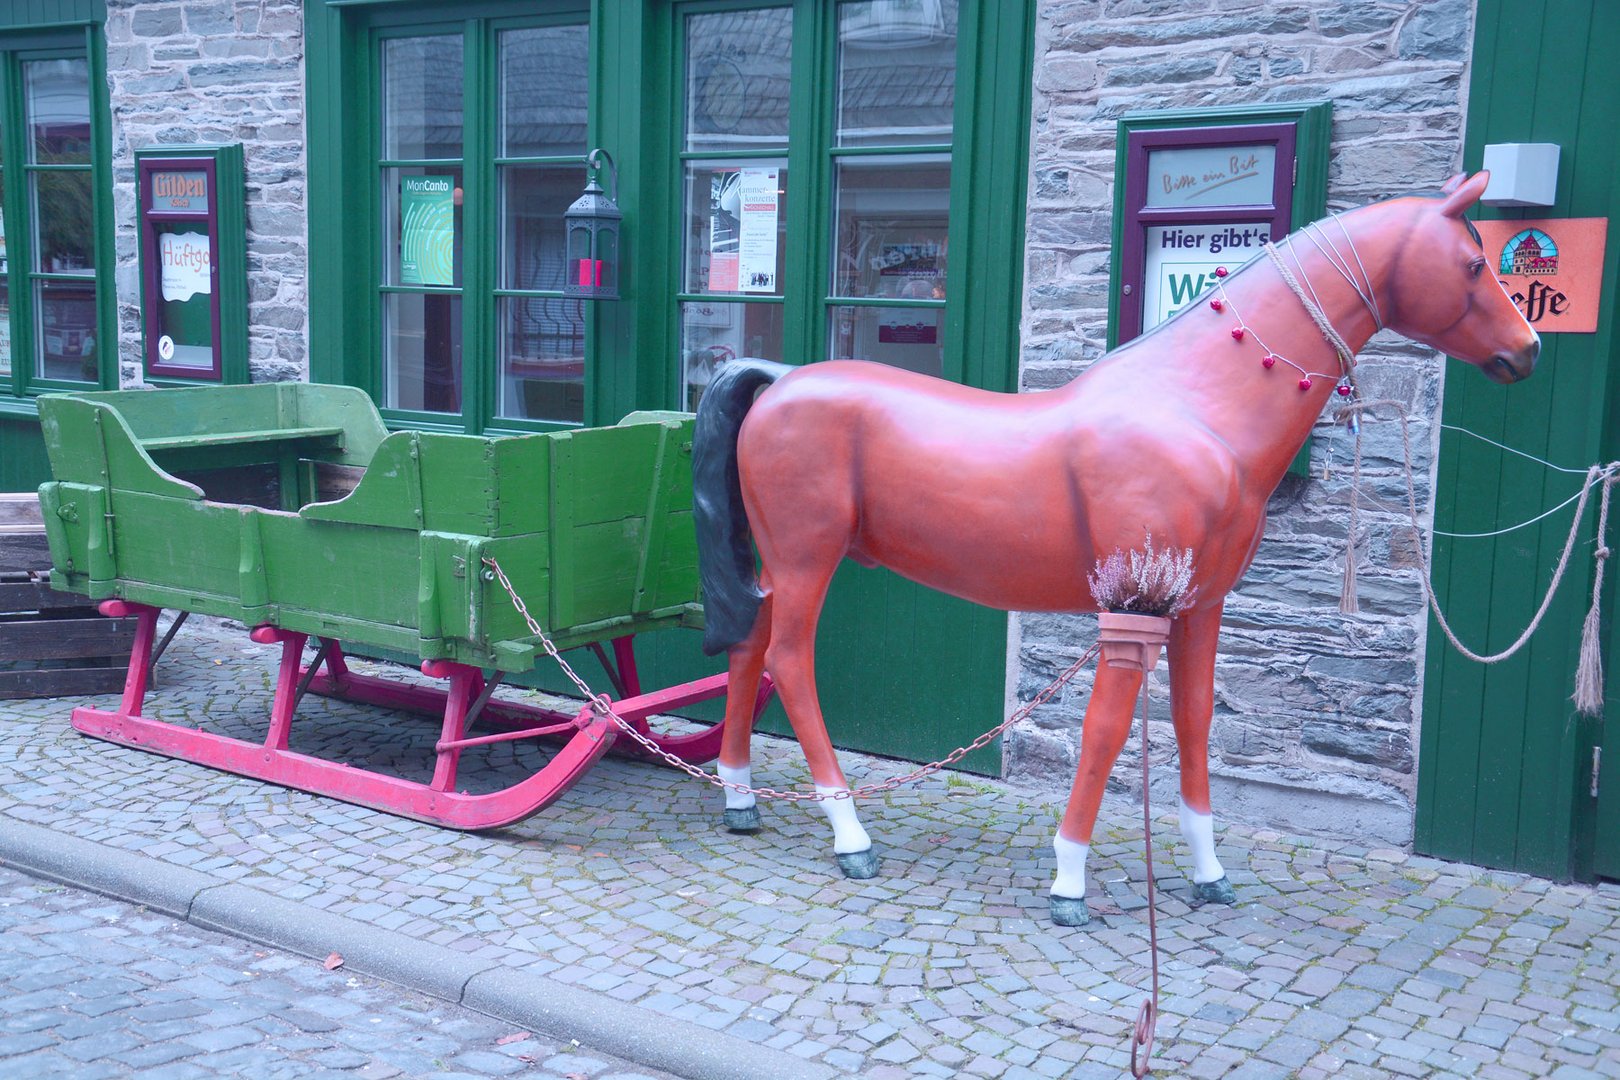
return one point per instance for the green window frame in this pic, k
(74, 192)
(986, 154)
(635, 101)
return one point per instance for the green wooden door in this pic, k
(897, 239)
(1505, 770)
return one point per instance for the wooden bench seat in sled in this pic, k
(291, 508)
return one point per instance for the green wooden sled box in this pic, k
(290, 504)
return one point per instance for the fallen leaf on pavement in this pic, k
(508, 1040)
(333, 962)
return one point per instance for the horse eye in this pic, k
(1476, 267)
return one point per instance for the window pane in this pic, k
(896, 71)
(737, 68)
(422, 223)
(544, 78)
(891, 218)
(58, 104)
(907, 337)
(422, 112)
(542, 358)
(63, 222)
(736, 227)
(715, 332)
(66, 324)
(422, 351)
(5, 326)
(533, 200)
(5, 295)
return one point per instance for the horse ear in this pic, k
(1464, 194)
(1451, 185)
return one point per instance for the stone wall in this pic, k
(218, 71)
(1316, 712)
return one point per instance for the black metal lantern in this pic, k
(593, 235)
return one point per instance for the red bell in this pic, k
(1270, 361)
(1216, 305)
(1237, 333)
(1305, 383)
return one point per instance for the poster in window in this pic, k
(186, 319)
(757, 230)
(1181, 259)
(427, 230)
(725, 205)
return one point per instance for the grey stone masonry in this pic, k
(218, 71)
(1315, 712)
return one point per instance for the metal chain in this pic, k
(603, 706)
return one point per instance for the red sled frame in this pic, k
(586, 736)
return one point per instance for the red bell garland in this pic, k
(1269, 359)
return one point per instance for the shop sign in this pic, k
(427, 224)
(1551, 267)
(1227, 175)
(184, 263)
(1180, 263)
(757, 231)
(180, 191)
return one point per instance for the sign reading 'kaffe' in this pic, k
(1552, 268)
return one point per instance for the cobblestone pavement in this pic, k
(1336, 960)
(91, 988)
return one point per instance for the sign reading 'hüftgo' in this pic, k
(1552, 267)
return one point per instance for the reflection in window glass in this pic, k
(890, 220)
(542, 358)
(905, 337)
(714, 332)
(58, 107)
(738, 65)
(422, 352)
(66, 324)
(533, 200)
(544, 78)
(422, 108)
(736, 227)
(896, 72)
(64, 222)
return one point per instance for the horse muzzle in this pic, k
(1511, 367)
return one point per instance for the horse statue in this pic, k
(1008, 500)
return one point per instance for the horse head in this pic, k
(1446, 294)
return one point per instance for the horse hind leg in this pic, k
(746, 662)
(790, 658)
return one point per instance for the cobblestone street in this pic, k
(1336, 961)
(91, 988)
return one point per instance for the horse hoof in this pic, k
(744, 820)
(1069, 910)
(858, 864)
(1219, 891)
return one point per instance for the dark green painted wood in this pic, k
(23, 464)
(1504, 763)
(43, 13)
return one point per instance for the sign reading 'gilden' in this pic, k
(1552, 267)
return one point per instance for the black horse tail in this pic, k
(731, 596)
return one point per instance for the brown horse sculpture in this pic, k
(1008, 500)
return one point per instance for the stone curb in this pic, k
(529, 1001)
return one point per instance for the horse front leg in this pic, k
(1192, 705)
(1102, 735)
(746, 663)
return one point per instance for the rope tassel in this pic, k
(1588, 695)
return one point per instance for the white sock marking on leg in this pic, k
(848, 835)
(1199, 832)
(1071, 867)
(742, 774)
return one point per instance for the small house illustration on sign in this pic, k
(1529, 252)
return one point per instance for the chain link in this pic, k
(602, 705)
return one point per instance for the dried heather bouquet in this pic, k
(1146, 582)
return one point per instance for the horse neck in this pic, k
(1261, 413)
